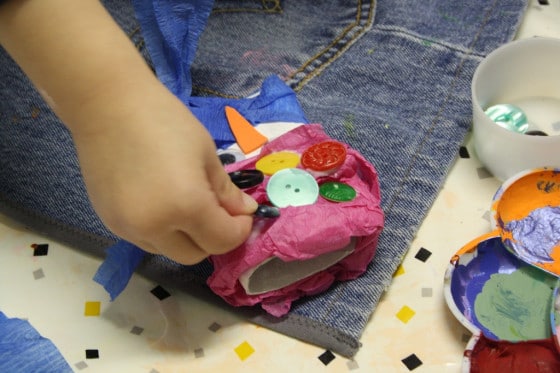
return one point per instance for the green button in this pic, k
(337, 192)
(508, 116)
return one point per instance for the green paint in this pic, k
(348, 124)
(516, 306)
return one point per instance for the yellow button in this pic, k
(274, 162)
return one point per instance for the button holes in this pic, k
(296, 190)
(288, 186)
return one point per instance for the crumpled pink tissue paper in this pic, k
(305, 232)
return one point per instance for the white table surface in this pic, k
(139, 333)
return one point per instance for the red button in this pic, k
(324, 156)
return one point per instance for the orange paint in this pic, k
(537, 189)
(472, 245)
(554, 266)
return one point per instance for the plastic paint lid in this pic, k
(324, 156)
(526, 211)
(292, 187)
(490, 290)
(337, 192)
(486, 355)
(555, 314)
(274, 162)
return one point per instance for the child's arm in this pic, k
(150, 167)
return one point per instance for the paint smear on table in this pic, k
(516, 306)
(488, 356)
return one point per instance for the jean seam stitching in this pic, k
(58, 225)
(339, 43)
(443, 105)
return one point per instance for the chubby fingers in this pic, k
(226, 220)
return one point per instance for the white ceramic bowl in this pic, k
(525, 73)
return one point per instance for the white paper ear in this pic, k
(274, 273)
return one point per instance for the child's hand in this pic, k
(150, 167)
(154, 178)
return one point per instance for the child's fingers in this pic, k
(216, 230)
(230, 197)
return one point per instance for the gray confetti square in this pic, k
(136, 330)
(38, 274)
(427, 292)
(483, 173)
(81, 365)
(352, 365)
(486, 216)
(214, 327)
(198, 353)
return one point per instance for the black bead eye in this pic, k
(227, 158)
(265, 211)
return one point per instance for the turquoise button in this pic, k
(508, 116)
(292, 187)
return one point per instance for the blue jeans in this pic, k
(390, 78)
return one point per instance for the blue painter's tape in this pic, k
(119, 265)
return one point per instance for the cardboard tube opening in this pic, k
(274, 273)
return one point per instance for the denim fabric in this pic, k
(390, 78)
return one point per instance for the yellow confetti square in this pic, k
(92, 309)
(405, 314)
(244, 350)
(399, 271)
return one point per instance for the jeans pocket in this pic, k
(244, 42)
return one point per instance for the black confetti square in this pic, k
(92, 354)
(423, 254)
(214, 327)
(40, 250)
(160, 293)
(136, 330)
(464, 152)
(412, 362)
(544, 2)
(326, 357)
